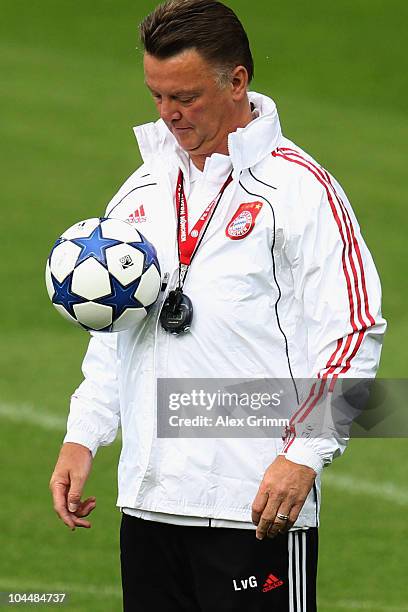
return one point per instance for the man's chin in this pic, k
(189, 145)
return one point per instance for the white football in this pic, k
(103, 275)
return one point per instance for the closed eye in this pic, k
(187, 100)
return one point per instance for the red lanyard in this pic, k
(188, 242)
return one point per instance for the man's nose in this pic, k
(169, 110)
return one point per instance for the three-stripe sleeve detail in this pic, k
(360, 317)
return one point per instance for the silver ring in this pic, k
(282, 517)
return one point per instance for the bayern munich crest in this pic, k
(243, 222)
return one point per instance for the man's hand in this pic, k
(67, 482)
(283, 490)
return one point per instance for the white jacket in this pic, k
(298, 297)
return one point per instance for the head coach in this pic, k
(266, 276)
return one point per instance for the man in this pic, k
(260, 247)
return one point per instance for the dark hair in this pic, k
(209, 27)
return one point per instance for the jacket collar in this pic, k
(247, 146)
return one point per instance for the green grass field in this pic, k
(72, 87)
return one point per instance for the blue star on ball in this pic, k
(149, 252)
(63, 295)
(95, 246)
(121, 298)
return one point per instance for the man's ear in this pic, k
(239, 82)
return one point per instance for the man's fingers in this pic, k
(271, 527)
(62, 506)
(86, 507)
(284, 489)
(80, 522)
(74, 496)
(67, 482)
(73, 520)
(280, 525)
(294, 513)
(258, 506)
(263, 527)
(268, 516)
(58, 490)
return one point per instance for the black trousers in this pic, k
(174, 568)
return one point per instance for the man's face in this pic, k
(197, 111)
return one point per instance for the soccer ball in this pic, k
(103, 275)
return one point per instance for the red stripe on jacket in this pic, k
(350, 248)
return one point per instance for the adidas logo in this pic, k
(138, 216)
(272, 582)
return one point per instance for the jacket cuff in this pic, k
(298, 453)
(84, 438)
